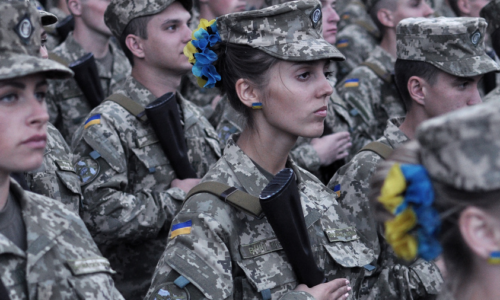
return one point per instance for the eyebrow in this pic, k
(460, 79)
(21, 85)
(41, 83)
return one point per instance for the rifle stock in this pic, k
(65, 26)
(87, 78)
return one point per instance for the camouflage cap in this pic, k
(491, 12)
(20, 31)
(120, 12)
(290, 31)
(462, 148)
(454, 45)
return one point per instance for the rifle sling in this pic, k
(383, 74)
(232, 195)
(130, 105)
(379, 148)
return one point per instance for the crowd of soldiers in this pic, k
(139, 142)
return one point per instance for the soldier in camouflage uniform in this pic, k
(219, 251)
(131, 190)
(459, 154)
(491, 13)
(68, 107)
(369, 90)
(46, 251)
(352, 180)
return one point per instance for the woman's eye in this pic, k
(304, 76)
(8, 98)
(40, 96)
(328, 74)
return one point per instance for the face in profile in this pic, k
(23, 123)
(330, 20)
(296, 99)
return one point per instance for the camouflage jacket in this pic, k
(66, 104)
(230, 254)
(352, 182)
(202, 97)
(356, 41)
(126, 179)
(371, 98)
(61, 262)
(56, 177)
(493, 95)
(338, 119)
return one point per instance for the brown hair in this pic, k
(138, 27)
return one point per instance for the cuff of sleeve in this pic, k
(429, 276)
(296, 295)
(176, 193)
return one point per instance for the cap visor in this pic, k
(468, 67)
(305, 50)
(47, 18)
(18, 65)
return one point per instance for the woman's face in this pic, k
(330, 20)
(296, 98)
(23, 123)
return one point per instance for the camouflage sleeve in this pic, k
(306, 157)
(114, 209)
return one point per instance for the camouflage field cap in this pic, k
(120, 12)
(462, 148)
(454, 45)
(290, 31)
(491, 12)
(20, 31)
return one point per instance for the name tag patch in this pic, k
(90, 265)
(342, 235)
(260, 248)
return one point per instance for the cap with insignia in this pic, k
(454, 45)
(120, 12)
(491, 12)
(20, 31)
(462, 149)
(290, 31)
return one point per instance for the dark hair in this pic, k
(454, 7)
(241, 61)
(495, 40)
(138, 27)
(404, 69)
(389, 4)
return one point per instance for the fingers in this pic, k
(342, 291)
(341, 136)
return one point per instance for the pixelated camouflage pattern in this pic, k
(493, 95)
(202, 97)
(373, 101)
(56, 177)
(460, 149)
(128, 207)
(212, 256)
(66, 103)
(356, 43)
(491, 13)
(57, 239)
(355, 13)
(285, 31)
(18, 56)
(454, 45)
(120, 12)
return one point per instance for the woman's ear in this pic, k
(247, 92)
(480, 230)
(134, 44)
(416, 89)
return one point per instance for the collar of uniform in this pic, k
(8, 247)
(383, 59)
(245, 170)
(137, 91)
(394, 136)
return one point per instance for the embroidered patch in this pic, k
(342, 43)
(260, 248)
(336, 190)
(354, 82)
(170, 291)
(94, 120)
(24, 29)
(316, 16)
(475, 37)
(181, 228)
(87, 169)
(346, 16)
(341, 235)
(90, 265)
(65, 165)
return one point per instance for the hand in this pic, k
(332, 147)
(337, 289)
(185, 184)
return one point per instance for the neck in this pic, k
(267, 149)
(61, 4)
(388, 42)
(157, 81)
(205, 13)
(483, 284)
(91, 41)
(413, 118)
(255, 3)
(4, 188)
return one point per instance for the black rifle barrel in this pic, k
(280, 201)
(88, 80)
(163, 113)
(65, 26)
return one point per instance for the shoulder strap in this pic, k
(379, 148)
(130, 105)
(240, 199)
(384, 75)
(58, 59)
